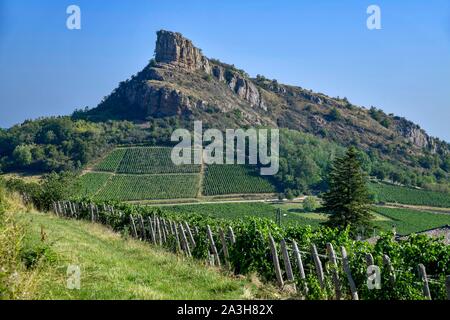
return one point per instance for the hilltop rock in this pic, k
(172, 48)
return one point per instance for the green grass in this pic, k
(152, 160)
(113, 268)
(235, 179)
(404, 195)
(112, 161)
(407, 221)
(91, 182)
(148, 187)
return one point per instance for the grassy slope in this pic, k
(114, 268)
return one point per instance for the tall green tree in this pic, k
(348, 201)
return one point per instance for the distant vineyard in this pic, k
(234, 179)
(234, 211)
(90, 183)
(152, 160)
(147, 187)
(409, 221)
(390, 193)
(112, 161)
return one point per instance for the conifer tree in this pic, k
(347, 201)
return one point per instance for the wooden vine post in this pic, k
(423, 276)
(231, 235)
(334, 271)
(301, 270)
(142, 227)
(276, 262)
(318, 264)
(164, 230)
(287, 263)
(184, 241)
(387, 263)
(190, 235)
(91, 210)
(158, 230)
(152, 230)
(133, 226)
(348, 272)
(213, 245)
(224, 247)
(177, 238)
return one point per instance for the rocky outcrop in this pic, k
(240, 85)
(174, 49)
(414, 134)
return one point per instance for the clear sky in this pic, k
(324, 45)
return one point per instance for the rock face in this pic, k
(174, 49)
(415, 135)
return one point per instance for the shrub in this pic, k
(310, 204)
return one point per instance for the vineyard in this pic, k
(132, 180)
(408, 221)
(112, 161)
(235, 179)
(313, 265)
(396, 194)
(91, 183)
(405, 221)
(235, 211)
(152, 161)
(147, 187)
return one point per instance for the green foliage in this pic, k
(91, 183)
(397, 194)
(112, 160)
(235, 179)
(304, 161)
(407, 221)
(347, 201)
(53, 187)
(61, 144)
(152, 160)
(147, 187)
(310, 204)
(22, 155)
(334, 115)
(56, 187)
(251, 252)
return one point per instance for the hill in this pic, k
(181, 85)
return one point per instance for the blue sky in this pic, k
(324, 45)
